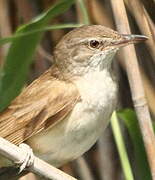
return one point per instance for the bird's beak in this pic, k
(129, 39)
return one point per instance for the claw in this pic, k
(29, 158)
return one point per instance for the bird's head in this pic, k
(90, 48)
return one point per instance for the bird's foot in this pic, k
(29, 158)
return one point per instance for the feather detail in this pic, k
(46, 101)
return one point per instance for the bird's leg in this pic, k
(29, 158)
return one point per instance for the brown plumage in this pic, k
(30, 112)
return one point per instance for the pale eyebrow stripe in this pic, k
(86, 40)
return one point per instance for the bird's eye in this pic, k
(94, 44)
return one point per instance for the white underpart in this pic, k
(81, 129)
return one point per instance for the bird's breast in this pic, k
(74, 135)
(98, 90)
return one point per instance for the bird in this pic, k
(62, 113)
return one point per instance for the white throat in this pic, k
(97, 62)
(101, 61)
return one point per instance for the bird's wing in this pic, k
(41, 105)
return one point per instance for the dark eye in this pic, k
(94, 43)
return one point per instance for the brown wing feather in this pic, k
(42, 104)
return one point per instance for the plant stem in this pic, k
(121, 147)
